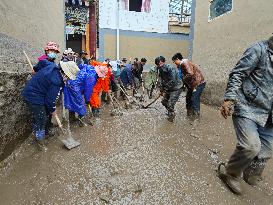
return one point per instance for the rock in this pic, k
(194, 136)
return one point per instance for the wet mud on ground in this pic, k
(137, 158)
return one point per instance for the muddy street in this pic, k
(137, 158)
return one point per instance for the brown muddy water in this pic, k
(137, 158)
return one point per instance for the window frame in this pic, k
(224, 14)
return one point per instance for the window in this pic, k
(219, 8)
(136, 5)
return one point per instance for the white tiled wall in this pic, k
(155, 21)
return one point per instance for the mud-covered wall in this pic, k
(218, 44)
(24, 26)
(36, 22)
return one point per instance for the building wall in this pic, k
(24, 26)
(142, 44)
(219, 44)
(155, 21)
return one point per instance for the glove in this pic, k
(227, 108)
(162, 93)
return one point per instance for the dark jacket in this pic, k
(250, 84)
(137, 70)
(41, 64)
(43, 88)
(126, 75)
(169, 78)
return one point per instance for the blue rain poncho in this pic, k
(77, 92)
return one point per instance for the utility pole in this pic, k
(117, 20)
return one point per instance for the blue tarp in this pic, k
(78, 92)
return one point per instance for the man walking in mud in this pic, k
(249, 99)
(170, 86)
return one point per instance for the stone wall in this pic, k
(24, 26)
(219, 43)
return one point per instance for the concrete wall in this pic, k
(142, 44)
(219, 44)
(155, 21)
(24, 25)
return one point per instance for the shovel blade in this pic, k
(70, 143)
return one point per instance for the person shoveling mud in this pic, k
(170, 86)
(78, 90)
(41, 92)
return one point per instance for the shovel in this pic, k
(116, 110)
(149, 104)
(129, 98)
(69, 142)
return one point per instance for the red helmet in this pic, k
(52, 46)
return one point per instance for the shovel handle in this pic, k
(29, 62)
(59, 122)
(146, 106)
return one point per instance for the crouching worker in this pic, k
(80, 83)
(195, 83)
(102, 84)
(170, 86)
(41, 93)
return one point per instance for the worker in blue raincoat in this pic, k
(78, 89)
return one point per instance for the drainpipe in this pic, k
(117, 20)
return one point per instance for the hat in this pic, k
(83, 52)
(101, 70)
(114, 65)
(52, 46)
(69, 50)
(65, 52)
(70, 69)
(124, 59)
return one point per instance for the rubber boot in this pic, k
(72, 117)
(189, 112)
(50, 132)
(196, 115)
(40, 139)
(253, 173)
(232, 182)
(150, 94)
(95, 112)
(171, 116)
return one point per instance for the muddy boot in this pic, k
(150, 94)
(195, 115)
(108, 99)
(233, 183)
(50, 132)
(189, 112)
(40, 140)
(95, 112)
(253, 173)
(72, 117)
(171, 116)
